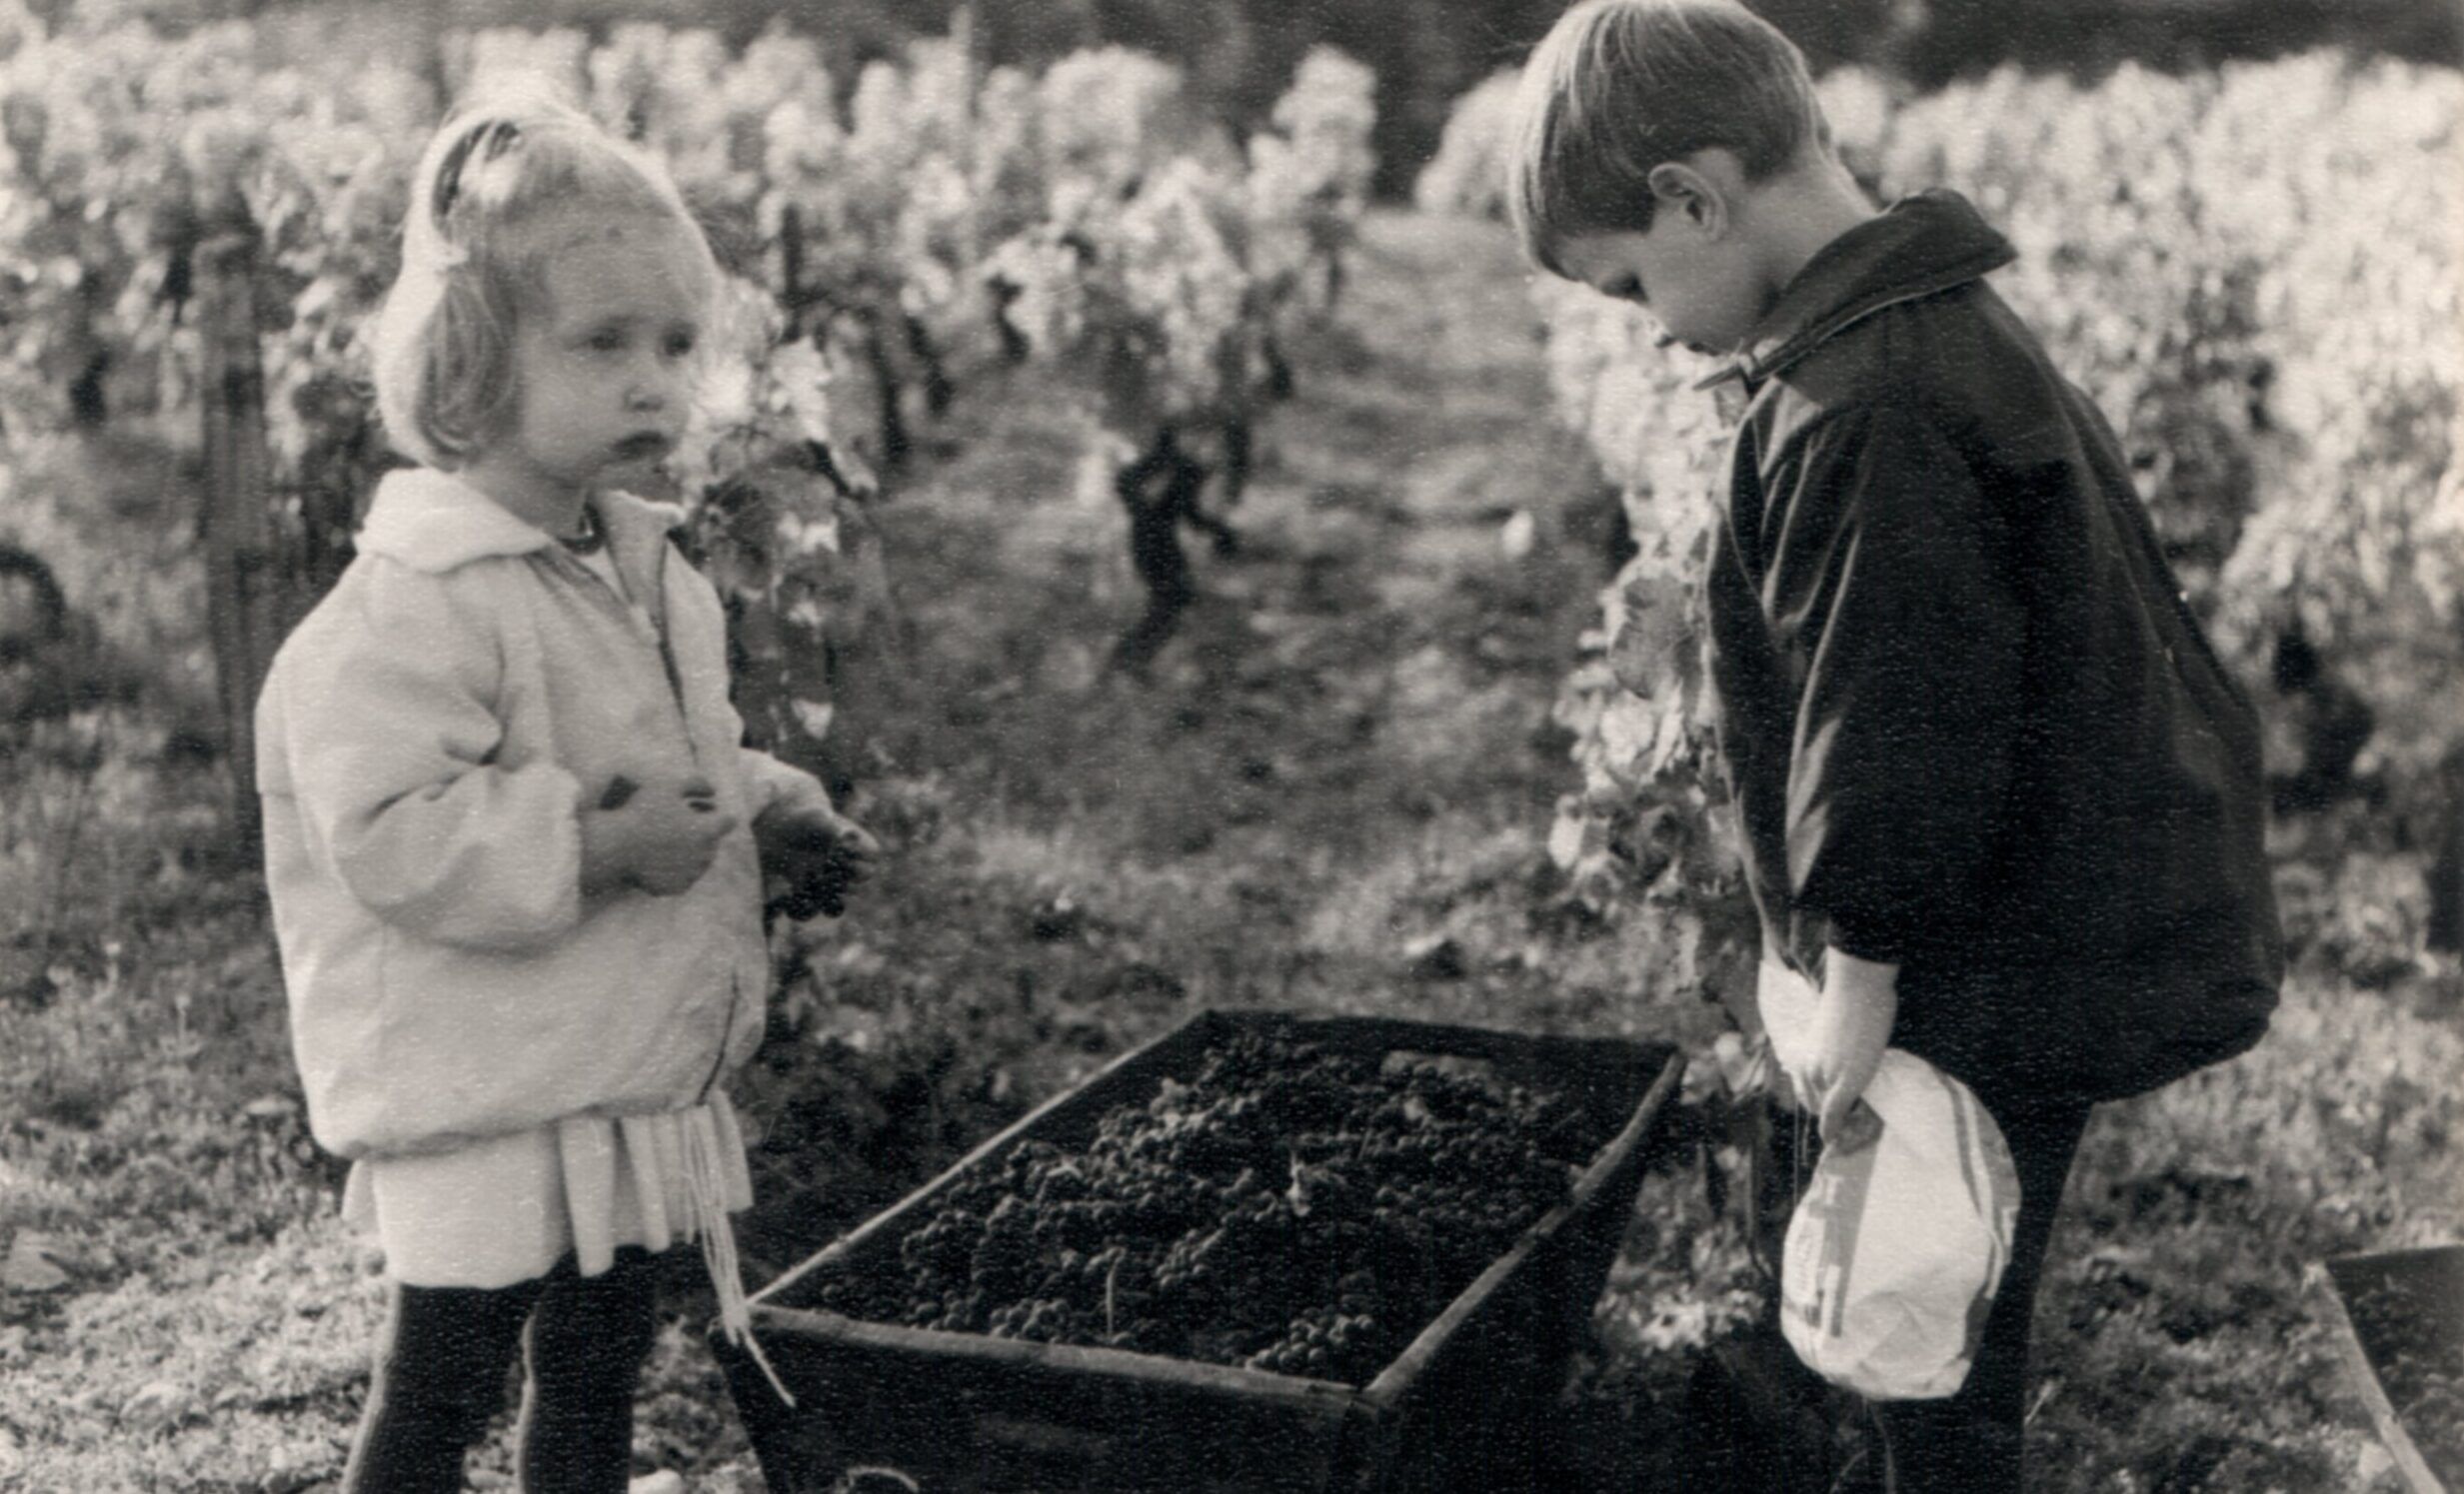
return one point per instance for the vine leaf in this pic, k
(31, 1266)
(1658, 653)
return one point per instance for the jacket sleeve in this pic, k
(1885, 584)
(777, 784)
(382, 714)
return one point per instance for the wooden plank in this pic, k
(1028, 1357)
(2333, 1282)
(244, 616)
(950, 1420)
(1607, 1163)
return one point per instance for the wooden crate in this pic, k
(2434, 1280)
(1458, 1408)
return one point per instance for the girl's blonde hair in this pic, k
(1619, 86)
(502, 171)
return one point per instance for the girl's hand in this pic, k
(1860, 1002)
(660, 839)
(820, 854)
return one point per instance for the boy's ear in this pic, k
(1691, 189)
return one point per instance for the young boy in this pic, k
(2000, 801)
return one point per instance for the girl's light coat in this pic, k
(426, 739)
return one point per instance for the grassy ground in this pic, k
(1330, 793)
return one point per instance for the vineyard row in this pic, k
(192, 242)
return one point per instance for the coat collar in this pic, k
(1919, 246)
(435, 522)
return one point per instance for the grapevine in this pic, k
(1165, 279)
(1309, 178)
(1468, 174)
(1291, 1210)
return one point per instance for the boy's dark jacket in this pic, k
(1971, 726)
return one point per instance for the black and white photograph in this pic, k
(1231, 747)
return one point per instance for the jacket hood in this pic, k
(435, 522)
(1919, 246)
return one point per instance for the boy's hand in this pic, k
(1860, 1002)
(820, 854)
(660, 839)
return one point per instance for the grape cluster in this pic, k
(1292, 1209)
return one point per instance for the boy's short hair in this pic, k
(500, 171)
(1620, 86)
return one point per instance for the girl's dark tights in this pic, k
(440, 1364)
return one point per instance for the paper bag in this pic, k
(1895, 1250)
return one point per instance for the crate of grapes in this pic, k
(1264, 1252)
(2397, 1319)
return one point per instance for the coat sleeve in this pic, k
(777, 784)
(1886, 581)
(381, 713)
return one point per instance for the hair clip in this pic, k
(490, 137)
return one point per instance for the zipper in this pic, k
(623, 608)
(727, 1029)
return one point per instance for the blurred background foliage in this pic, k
(1239, 54)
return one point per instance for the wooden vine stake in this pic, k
(243, 581)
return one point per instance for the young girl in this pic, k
(511, 830)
